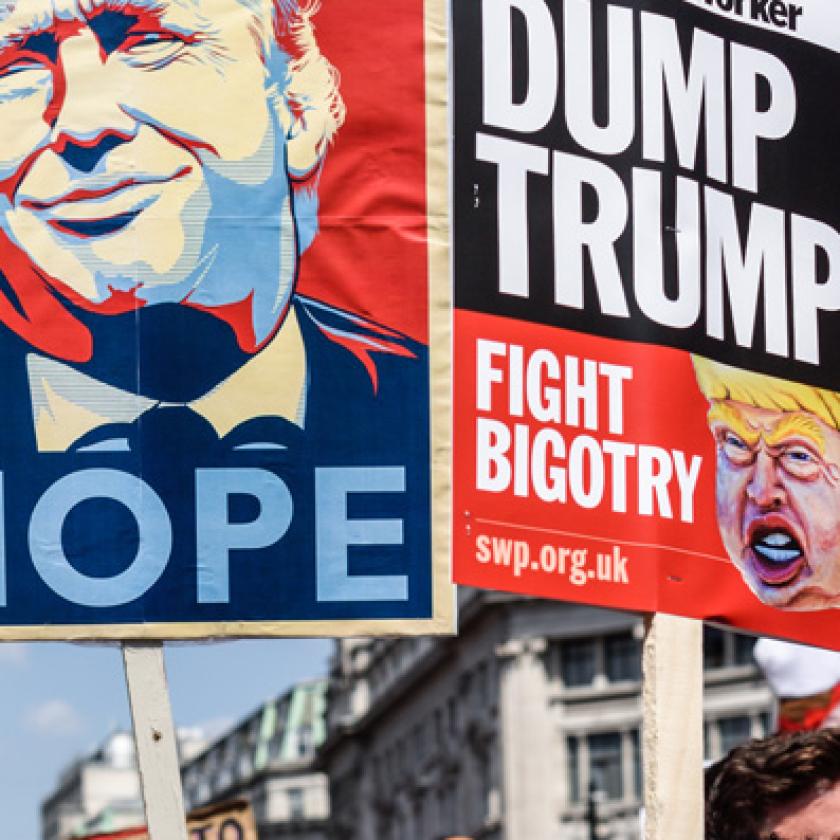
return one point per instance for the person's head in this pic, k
(159, 151)
(781, 788)
(778, 483)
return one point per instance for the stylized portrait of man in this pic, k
(159, 173)
(159, 165)
(778, 483)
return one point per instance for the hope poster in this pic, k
(222, 241)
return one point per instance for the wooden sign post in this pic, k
(672, 697)
(154, 734)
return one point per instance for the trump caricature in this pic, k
(778, 483)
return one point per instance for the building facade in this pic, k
(518, 728)
(526, 725)
(267, 758)
(101, 788)
(100, 792)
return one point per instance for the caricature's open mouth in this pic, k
(777, 555)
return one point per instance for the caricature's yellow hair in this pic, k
(718, 381)
(724, 414)
(799, 424)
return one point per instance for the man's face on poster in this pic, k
(142, 156)
(778, 502)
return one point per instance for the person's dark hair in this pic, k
(758, 776)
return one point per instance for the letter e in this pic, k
(335, 533)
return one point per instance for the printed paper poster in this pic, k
(647, 282)
(216, 280)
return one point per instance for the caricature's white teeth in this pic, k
(777, 547)
(775, 555)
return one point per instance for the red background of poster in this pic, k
(673, 566)
(370, 254)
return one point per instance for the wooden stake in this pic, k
(672, 665)
(154, 734)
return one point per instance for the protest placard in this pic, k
(647, 282)
(222, 259)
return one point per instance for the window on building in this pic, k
(295, 803)
(573, 768)
(452, 711)
(419, 741)
(605, 763)
(484, 768)
(389, 771)
(637, 762)
(438, 726)
(623, 657)
(734, 731)
(743, 649)
(714, 648)
(275, 745)
(481, 682)
(577, 662)
(203, 791)
(723, 649)
(224, 779)
(304, 739)
(764, 723)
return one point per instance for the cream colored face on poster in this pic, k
(117, 182)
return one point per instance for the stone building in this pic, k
(100, 792)
(512, 729)
(509, 731)
(267, 758)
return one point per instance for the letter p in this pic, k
(217, 536)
